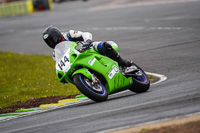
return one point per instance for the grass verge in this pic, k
(24, 76)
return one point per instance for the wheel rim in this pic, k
(141, 76)
(98, 89)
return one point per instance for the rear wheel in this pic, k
(94, 91)
(141, 81)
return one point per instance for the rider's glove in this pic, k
(88, 43)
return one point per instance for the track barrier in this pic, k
(24, 7)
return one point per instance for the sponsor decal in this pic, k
(91, 62)
(76, 52)
(113, 72)
(45, 36)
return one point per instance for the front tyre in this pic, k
(96, 92)
(141, 82)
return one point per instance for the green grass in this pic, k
(24, 76)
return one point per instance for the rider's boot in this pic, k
(113, 54)
(122, 62)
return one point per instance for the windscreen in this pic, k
(61, 49)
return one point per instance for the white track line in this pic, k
(161, 77)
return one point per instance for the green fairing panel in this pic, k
(62, 77)
(118, 81)
(84, 72)
(59, 75)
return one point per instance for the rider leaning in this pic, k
(52, 36)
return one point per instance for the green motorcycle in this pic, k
(95, 75)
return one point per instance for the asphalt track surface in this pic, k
(160, 37)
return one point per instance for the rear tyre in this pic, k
(96, 92)
(141, 82)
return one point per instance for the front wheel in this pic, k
(141, 81)
(96, 92)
